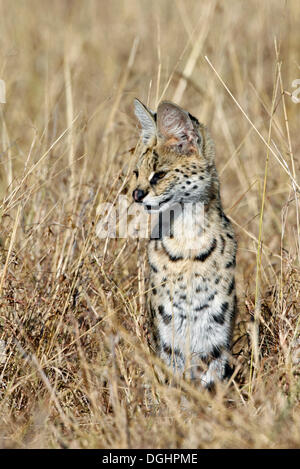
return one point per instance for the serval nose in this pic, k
(138, 195)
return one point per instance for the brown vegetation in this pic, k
(75, 370)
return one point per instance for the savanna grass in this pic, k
(75, 370)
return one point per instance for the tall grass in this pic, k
(75, 370)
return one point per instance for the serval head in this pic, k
(177, 160)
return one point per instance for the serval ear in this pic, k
(176, 129)
(146, 119)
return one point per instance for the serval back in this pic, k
(192, 249)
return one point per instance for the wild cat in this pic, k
(192, 249)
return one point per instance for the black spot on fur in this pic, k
(171, 256)
(231, 263)
(210, 387)
(152, 267)
(176, 305)
(204, 255)
(231, 286)
(222, 215)
(215, 352)
(201, 308)
(223, 244)
(167, 349)
(228, 371)
(152, 312)
(167, 318)
(156, 339)
(182, 318)
(220, 318)
(235, 307)
(211, 297)
(226, 220)
(224, 307)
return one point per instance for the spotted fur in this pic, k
(192, 299)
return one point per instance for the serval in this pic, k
(192, 248)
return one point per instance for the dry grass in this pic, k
(75, 370)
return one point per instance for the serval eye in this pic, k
(136, 173)
(157, 176)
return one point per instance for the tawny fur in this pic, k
(192, 250)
